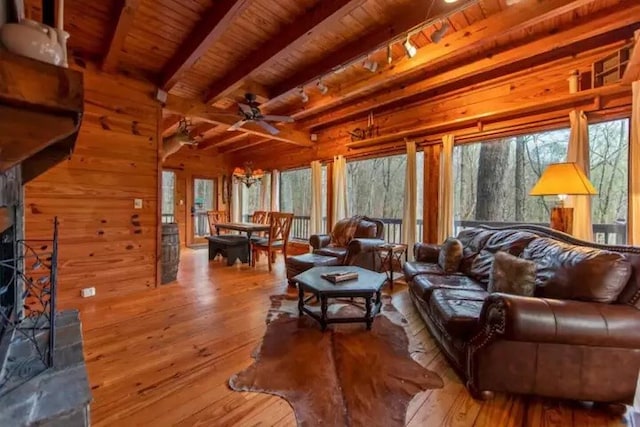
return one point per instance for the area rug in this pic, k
(346, 376)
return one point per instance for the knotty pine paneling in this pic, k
(104, 242)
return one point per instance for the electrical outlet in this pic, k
(88, 292)
(137, 203)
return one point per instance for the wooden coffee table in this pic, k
(366, 286)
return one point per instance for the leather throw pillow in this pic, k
(450, 255)
(512, 275)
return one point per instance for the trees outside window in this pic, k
(295, 196)
(493, 179)
(168, 196)
(250, 199)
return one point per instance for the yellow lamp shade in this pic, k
(563, 178)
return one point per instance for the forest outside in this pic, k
(493, 179)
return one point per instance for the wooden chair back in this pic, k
(279, 227)
(216, 217)
(260, 217)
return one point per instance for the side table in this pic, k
(388, 253)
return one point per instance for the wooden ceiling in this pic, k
(206, 53)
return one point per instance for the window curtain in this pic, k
(633, 223)
(578, 152)
(445, 189)
(236, 201)
(275, 190)
(339, 189)
(316, 198)
(265, 188)
(409, 216)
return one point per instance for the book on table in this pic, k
(340, 276)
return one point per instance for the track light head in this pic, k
(370, 65)
(450, 1)
(303, 95)
(322, 87)
(438, 34)
(410, 48)
(389, 54)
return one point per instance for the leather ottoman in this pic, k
(301, 263)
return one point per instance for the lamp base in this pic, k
(562, 219)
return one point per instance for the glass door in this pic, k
(204, 199)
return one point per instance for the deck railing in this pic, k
(168, 218)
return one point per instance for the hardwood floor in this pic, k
(163, 358)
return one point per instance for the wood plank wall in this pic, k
(189, 163)
(104, 242)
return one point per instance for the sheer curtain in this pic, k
(339, 189)
(265, 188)
(316, 198)
(409, 215)
(633, 224)
(445, 189)
(578, 152)
(236, 201)
(275, 190)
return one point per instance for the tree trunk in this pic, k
(491, 174)
(520, 179)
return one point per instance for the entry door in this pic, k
(204, 199)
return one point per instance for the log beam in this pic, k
(214, 23)
(123, 23)
(222, 140)
(244, 146)
(322, 16)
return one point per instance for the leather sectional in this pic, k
(577, 338)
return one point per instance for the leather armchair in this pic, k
(360, 250)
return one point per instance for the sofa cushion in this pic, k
(333, 251)
(416, 268)
(424, 285)
(577, 272)
(510, 241)
(457, 311)
(450, 255)
(512, 275)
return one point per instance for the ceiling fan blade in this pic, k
(266, 126)
(245, 108)
(237, 125)
(272, 118)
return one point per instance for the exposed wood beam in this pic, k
(123, 23)
(632, 73)
(169, 122)
(590, 32)
(200, 129)
(322, 16)
(244, 146)
(222, 140)
(212, 25)
(585, 99)
(208, 113)
(452, 47)
(399, 24)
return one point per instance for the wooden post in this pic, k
(562, 219)
(430, 190)
(159, 195)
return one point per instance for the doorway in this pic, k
(203, 199)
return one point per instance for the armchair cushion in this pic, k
(333, 251)
(563, 321)
(512, 275)
(450, 255)
(318, 241)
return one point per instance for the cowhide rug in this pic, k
(346, 376)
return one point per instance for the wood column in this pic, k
(430, 196)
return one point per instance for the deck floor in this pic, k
(163, 357)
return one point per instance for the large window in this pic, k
(168, 196)
(295, 196)
(251, 199)
(493, 179)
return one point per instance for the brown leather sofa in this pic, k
(577, 338)
(359, 251)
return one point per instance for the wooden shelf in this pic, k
(41, 108)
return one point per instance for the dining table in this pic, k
(243, 227)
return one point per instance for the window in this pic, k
(493, 179)
(168, 196)
(295, 196)
(250, 199)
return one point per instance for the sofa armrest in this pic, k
(426, 252)
(319, 241)
(519, 318)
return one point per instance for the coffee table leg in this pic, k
(300, 299)
(367, 316)
(323, 312)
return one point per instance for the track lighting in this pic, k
(410, 48)
(450, 1)
(438, 34)
(389, 56)
(370, 65)
(303, 95)
(322, 87)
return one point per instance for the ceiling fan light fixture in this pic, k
(303, 95)
(322, 87)
(438, 34)
(410, 48)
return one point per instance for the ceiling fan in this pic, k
(250, 112)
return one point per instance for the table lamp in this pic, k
(562, 180)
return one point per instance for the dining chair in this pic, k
(276, 241)
(216, 217)
(260, 217)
